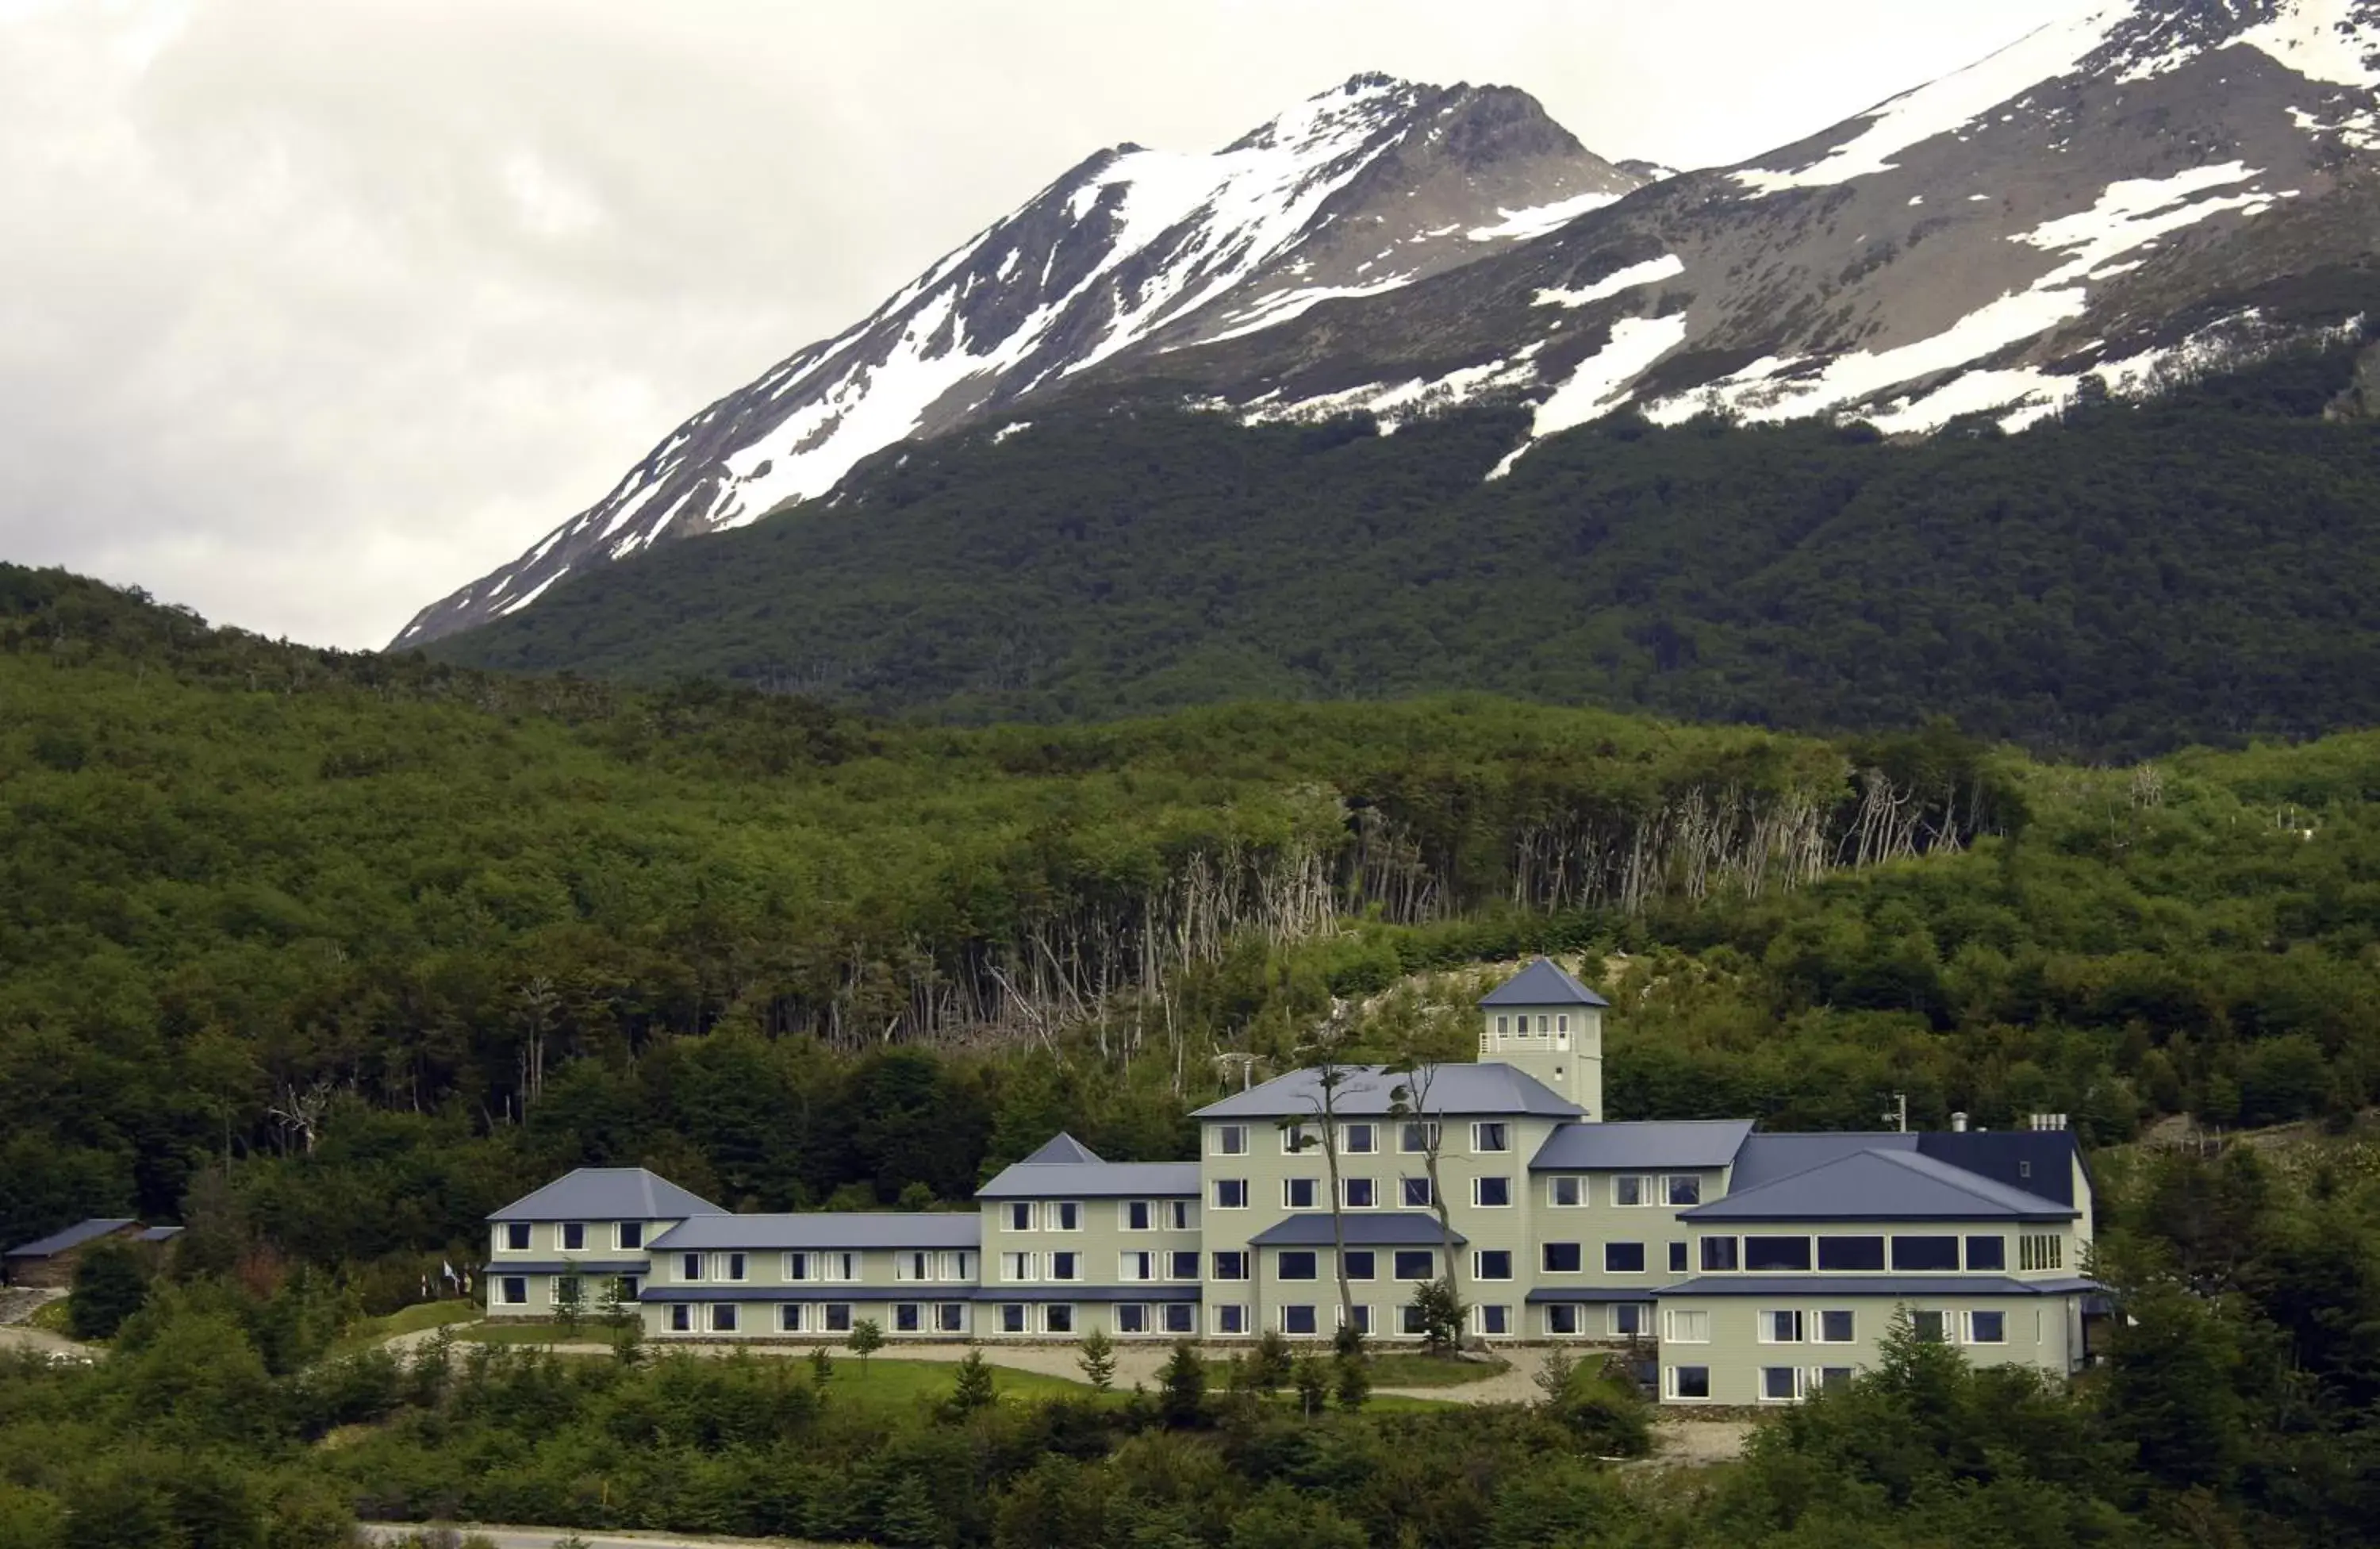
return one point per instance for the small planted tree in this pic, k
(1311, 1377)
(1182, 1388)
(1097, 1361)
(569, 1298)
(867, 1338)
(1268, 1371)
(1440, 1312)
(821, 1366)
(1351, 1384)
(973, 1390)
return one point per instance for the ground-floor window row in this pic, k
(589, 1292)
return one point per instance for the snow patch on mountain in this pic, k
(1542, 218)
(1950, 103)
(1603, 380)
(1666, 267)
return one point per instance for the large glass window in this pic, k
(838, 1317)
(1230, 1193)
(1298, 1193)
(1298, 1319)
(1182, 1264)
(1772, 1255)
(1987, 1252)
(1297, 1263)
(1923, 1253)
(574, 1236)
(950, 1317)
(1066, 1217)
(630, 1236)
(1986, 1328)
(1137, 1216)
(1718, 1254)
(1851, 1254)
(1629, 1190)
(1020, 1216)
(1012, 1318)
(1361, 1263)
(1492, 1263)
(905, 1318)
(1929, 1327)
(1057, 1318)
(1231, 1139)
(1837, 1328)
(1180, 1317)
(1416, 1264)
(1630, 1319)
(1779, 1327)
(1563, 1319)
(1415, 1192)
(723, 1317)
(1131, 1318)
(1359, 1139)
(1490, 1136)
(1492, 1193)
(1492, 1322)
(1230, 1321)
(513, 1290)
(789, 1317)
(1296, 1139)
(1780, 1384)
(1682, 1188)
(1567, 1192)
(1687, 1327)
(516, 1236)
(681, 1319)
(1231, 1264)
(1688, 1382)
(1362, 1193)
(1676, 1258)
(1416, 1138)
(1562, 1258)
(1624, 1258)
(1065, 1266)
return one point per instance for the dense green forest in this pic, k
(326, 955)
(2194, 569)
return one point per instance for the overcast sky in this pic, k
(312, 310)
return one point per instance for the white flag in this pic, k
(450, 1271)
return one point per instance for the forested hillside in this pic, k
(2196, 569)
(329, 955)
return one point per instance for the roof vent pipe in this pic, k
(1958, 1124)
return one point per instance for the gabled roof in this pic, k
(1482, 1091)
(1650, 1146)
(1543, 982)
(1061, 1147)
(1882, 1185)
(608, 1194)
(827, 1229)
(2036, 1160)
(71, 1237)
(157, 1233)
(1767, 1158)
(1364, 1229)
(1029, 1179)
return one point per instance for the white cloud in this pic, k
(312, 312)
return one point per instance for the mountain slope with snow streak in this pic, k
(1353, 193)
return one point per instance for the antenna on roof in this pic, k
(1898, 1114)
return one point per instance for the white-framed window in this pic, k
(574, 1236)
(1491, 1136)
(1782, 1385)
(1624, 1258)
(512, 1291)
(1414, 1263)
(950, 1317)
(1231, 1263)
(1930, 1327)
(1719, 1255)
(2040, 1250)
(681, 1318)
(1133, 1267)
(1493, 1321)
(1561, 1021)
(1831, 1379)
(730, 1266)
(1019, 1215)
(1503, 1025)
(837, 1317)
(1131, 1318)
(569, 1286)
(910, 1263)
(722, 1317)
(1179, 1317)
(1566, 1191)
(1835, 1328)
(1231, 1321)
(1779, 1327)
(1362, 1316)
(1676, 1258)
(789, 1316)
(1362, 1193)
(1492, 1263)
(1297, 1263)
(1176, 1215)
(1297, 1139)
(1230, 1193)
(1182, 1263)
(516, 1236)
(1563, 1320)
(838, 1265)
(1631, 1189)
(1629, 1320)
(1231, 1139)
(1686, 1384)
(1299, 1193)
(1491, 1193)
(1416, 1137)
(628, 1237)
(1065, 1216)
(1413, 1192)
(1682, 1188)
(1013, 1318)
(1057, 1318)
(1358, 1140)
(1065, 1266)
(689, 1266)
(906, 1318)
(1562, 1258)
(1017, 1268)
(1298, 1318)
(1409, 1320)
(1139, 1216)
(958, 1264)
(1363, 1263)
(1986, 1328)
(1682, 1326)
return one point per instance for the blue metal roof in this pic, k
(1065, 1169)
(2036, 1160)
(1149, 1292)
(828, 1230)
(567, 1267)
(157, 1233)
(1364, 1229)
(608, 1194)
(1543, 982)
(1642, 1146)
(1882, 1185)
(1588, 1295)
(1061, 1147)
(1767, 1158)
(1872, 1285)
(70, 1238)
(1369, 1092)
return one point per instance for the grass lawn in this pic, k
(1400, 1369)
(51, 1318)
(363, 1336)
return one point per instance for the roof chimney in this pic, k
(1958, 1124)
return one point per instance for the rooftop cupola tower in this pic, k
(1545, 1023)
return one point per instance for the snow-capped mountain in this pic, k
(1354, 193)
(2113, 199)
(2121, 196)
